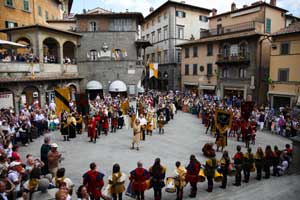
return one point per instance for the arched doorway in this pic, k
(69, 52)
(6, 98)
(50, 94)
(30, 95)
(93, 89)
(51, 51)
(118, 87)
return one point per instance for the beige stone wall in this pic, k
(18, 15)
(291, 61)
(201, 60)
(67, 26)
(277, 19)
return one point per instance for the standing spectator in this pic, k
(15, 177)
(53, 159)
(45, 148)
(82, 193)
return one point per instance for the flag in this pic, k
(153, 70)
(62, 100)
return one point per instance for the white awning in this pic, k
(94, 85)
(281, 93)
(190, 83)
(8, 44)
(117, 86)
(207, 87)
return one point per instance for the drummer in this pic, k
(210, 167)
(225, 161)
(180, 182)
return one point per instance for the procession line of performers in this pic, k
(70, 125)
(141, 179)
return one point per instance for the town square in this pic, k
(149, 99)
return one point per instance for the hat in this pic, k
(54, 145)
(14, 163)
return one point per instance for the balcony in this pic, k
(233, 59)
(21, 69)
(246, 26)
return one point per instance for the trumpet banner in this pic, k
(62, 99)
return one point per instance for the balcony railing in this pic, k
(246, 26)
(233, 59)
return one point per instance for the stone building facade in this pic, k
(109, 49)
(169, 25)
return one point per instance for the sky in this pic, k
(293, 6)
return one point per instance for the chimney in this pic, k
(214, 12)
(245, 6)
(84, 11)
(233, 6)
(273, 2)
(151, 9)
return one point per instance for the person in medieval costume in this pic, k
(64, 127)
(71, 126)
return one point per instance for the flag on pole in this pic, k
(153, 70)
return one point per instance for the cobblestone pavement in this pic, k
(183, 136)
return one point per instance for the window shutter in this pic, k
(268, 26)
(6, 24)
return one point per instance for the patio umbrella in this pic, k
(4, 44)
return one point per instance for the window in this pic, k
(9, 24)
(159, 35)
(195, 70)
(9, 3)
(26, 5)
(195, 51)
(147, 25)
(148, 37)
(143, 27)
(93, 26)
(186, 69)
(40, 11)
(143, 37)
(93, 54)
(148, 58)
(284, 48)
(158, 18)
(153, 57)
(121, 25)
(180, 14)
(268, 25)
(203, 18)
(153, 37)
(152, 22)
(283, 75)
(209, 69)
(209, 49)
(178, 56)
(159, 57)
(180, 32)
(46, 15)
(224, 73)
(187, 52)
(165, 32)
(242, 73)
(166, 56)
(165, 15)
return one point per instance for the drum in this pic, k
(231, 170)
(201, 176)
(218, 177)
(253, 168)
(148, 183)
(170, 185)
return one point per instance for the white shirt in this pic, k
(14, 177)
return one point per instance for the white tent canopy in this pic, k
(8, 44)
(117, 86)
(94, 85)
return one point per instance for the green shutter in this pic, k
(268, 26)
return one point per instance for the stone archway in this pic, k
(69, 51)
(51, 50)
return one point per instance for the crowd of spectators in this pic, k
(20, 57)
